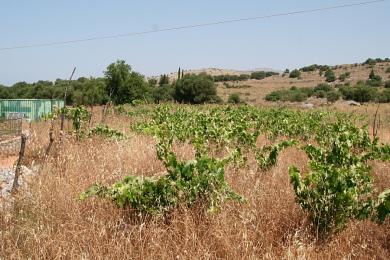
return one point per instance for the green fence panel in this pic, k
(33, 109)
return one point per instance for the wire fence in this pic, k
(10, 127)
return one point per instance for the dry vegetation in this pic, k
(258, 89)
(48, 222)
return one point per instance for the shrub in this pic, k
(332, 96)
(320, 94)
(163, 93)
(323, 86)
(258, 75)
(196, 89)
(271, 73)
(374, 80)
(295, 74)
(227, 77)
(387, 84)
(388, 70)
(273, 96)
(234, 98)
(294, 94)
(359, 93)
(330, 76)
(384, 96)
(339, 186)
(344, 76)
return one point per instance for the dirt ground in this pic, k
(8, 161)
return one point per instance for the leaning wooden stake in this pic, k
(375, 127)
(51, 138)
(64, 108)
(19, 164)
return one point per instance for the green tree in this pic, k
(295, 74)
(330, 76)
(125, 85)
(196, 89)
(164, 79)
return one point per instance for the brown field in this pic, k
(48, 222)
(256, 90)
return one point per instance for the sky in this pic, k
(341, 36)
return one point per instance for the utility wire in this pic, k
(115, 36)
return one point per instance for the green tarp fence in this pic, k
(33, 109)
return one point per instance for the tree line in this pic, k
(120, 84)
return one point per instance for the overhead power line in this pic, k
(115, 36)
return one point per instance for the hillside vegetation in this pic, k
(365, 82)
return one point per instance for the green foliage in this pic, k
(125, 85)
(164, 80)
(315, 67)
(227, 77)
(332, 96)
(387, 84)
(383, 206)
(258, 75)
(359, 93)
(196, 89)
(373, 62)
(374, 80)
(324, 87)
(295, 74)
(234, 98)
(185, 183)
(339, 186)
(163, 93)
(267, 156)
(330, 76)
(79, 116)
(105, 131)
(83, 91)
(291, 95)
(344, 76)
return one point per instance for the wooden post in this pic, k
(63, 109)
(19, 164)
(374, 127)
(51, 138)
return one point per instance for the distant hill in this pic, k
(216, 72)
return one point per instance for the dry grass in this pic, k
(48, 222)
(258, 89)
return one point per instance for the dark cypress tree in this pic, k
(178, 74)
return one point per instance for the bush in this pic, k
(258, 75)
(163, 93)
(320, 94)
(323, 86)
(336, 189)
(330, 76)
(273, 96)
(384, 97)
(294, 94)
(388, 70)
(234, 98)
(332, 96)
(387, 84)
(227, 77)
(374, 80)
(196, 89)
(344, 76)
(359, 93)
(295, 74)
